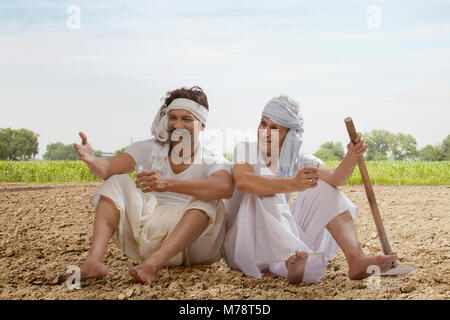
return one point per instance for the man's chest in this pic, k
(178, 168)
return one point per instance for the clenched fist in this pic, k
(305, 179)
(358, 148)
(150, 181)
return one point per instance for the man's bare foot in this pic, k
(296, 266)
(91, 269)
(358, 267)
(144, 273)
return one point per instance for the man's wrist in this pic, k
(351, 158)
(97, 167)
(171, 184)
(288, 185)
(95, 161)
(93, 165)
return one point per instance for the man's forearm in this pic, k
(100, 168)
(263, 185)
(344, 170)
(204, 189)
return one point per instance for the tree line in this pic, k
(60, 151)
(22, 144)
(384, 145)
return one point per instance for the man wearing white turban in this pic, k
(263, 234)
(173, 213)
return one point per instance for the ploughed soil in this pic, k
(45, 228)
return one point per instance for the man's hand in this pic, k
(150, 181)
(357, 149)
(305, 179)
(85, 151)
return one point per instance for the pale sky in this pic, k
(384, 63)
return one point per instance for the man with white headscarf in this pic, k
(172, 214)
(262, 233)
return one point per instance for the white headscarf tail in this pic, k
(277, 111)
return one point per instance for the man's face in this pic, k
(270, 133)
(183, 119)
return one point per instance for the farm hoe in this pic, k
(395, 270)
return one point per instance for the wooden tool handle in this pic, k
(369, 191)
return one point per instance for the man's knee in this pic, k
(119, 178)
(108, 206)
(198, 214)
(338, 219)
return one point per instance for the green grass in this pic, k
(47, 171)
(402, 172)
(380, 172)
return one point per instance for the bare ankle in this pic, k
(355, 257)
(154, 262)
(95, 259)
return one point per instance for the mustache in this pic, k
(180, 135)
(180, 131)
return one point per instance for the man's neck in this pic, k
(271, 163)
(186, 161)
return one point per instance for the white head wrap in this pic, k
(160, 129)
(277, 111)
(159, 126)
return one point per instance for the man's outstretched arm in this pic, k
(101, 167)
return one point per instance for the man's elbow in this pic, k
(228, 192)
(241, 185)
(226, 188)
(337, 183)
(105, 175)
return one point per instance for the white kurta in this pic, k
(265, 232)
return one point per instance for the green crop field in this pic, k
(380, 172)
(47, 171)
(403, 172)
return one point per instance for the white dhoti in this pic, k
(145, 223)
(266, 232)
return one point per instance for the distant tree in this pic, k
(404, 147)
(5, 142)
(431, 153)
(379, 144)
(330, 151)
(60, 151)
(120, 151)
(446, 148)
(21, 144)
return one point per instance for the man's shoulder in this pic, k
(304, 156)
(143, 143)
(212, 161)
(143, 147)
